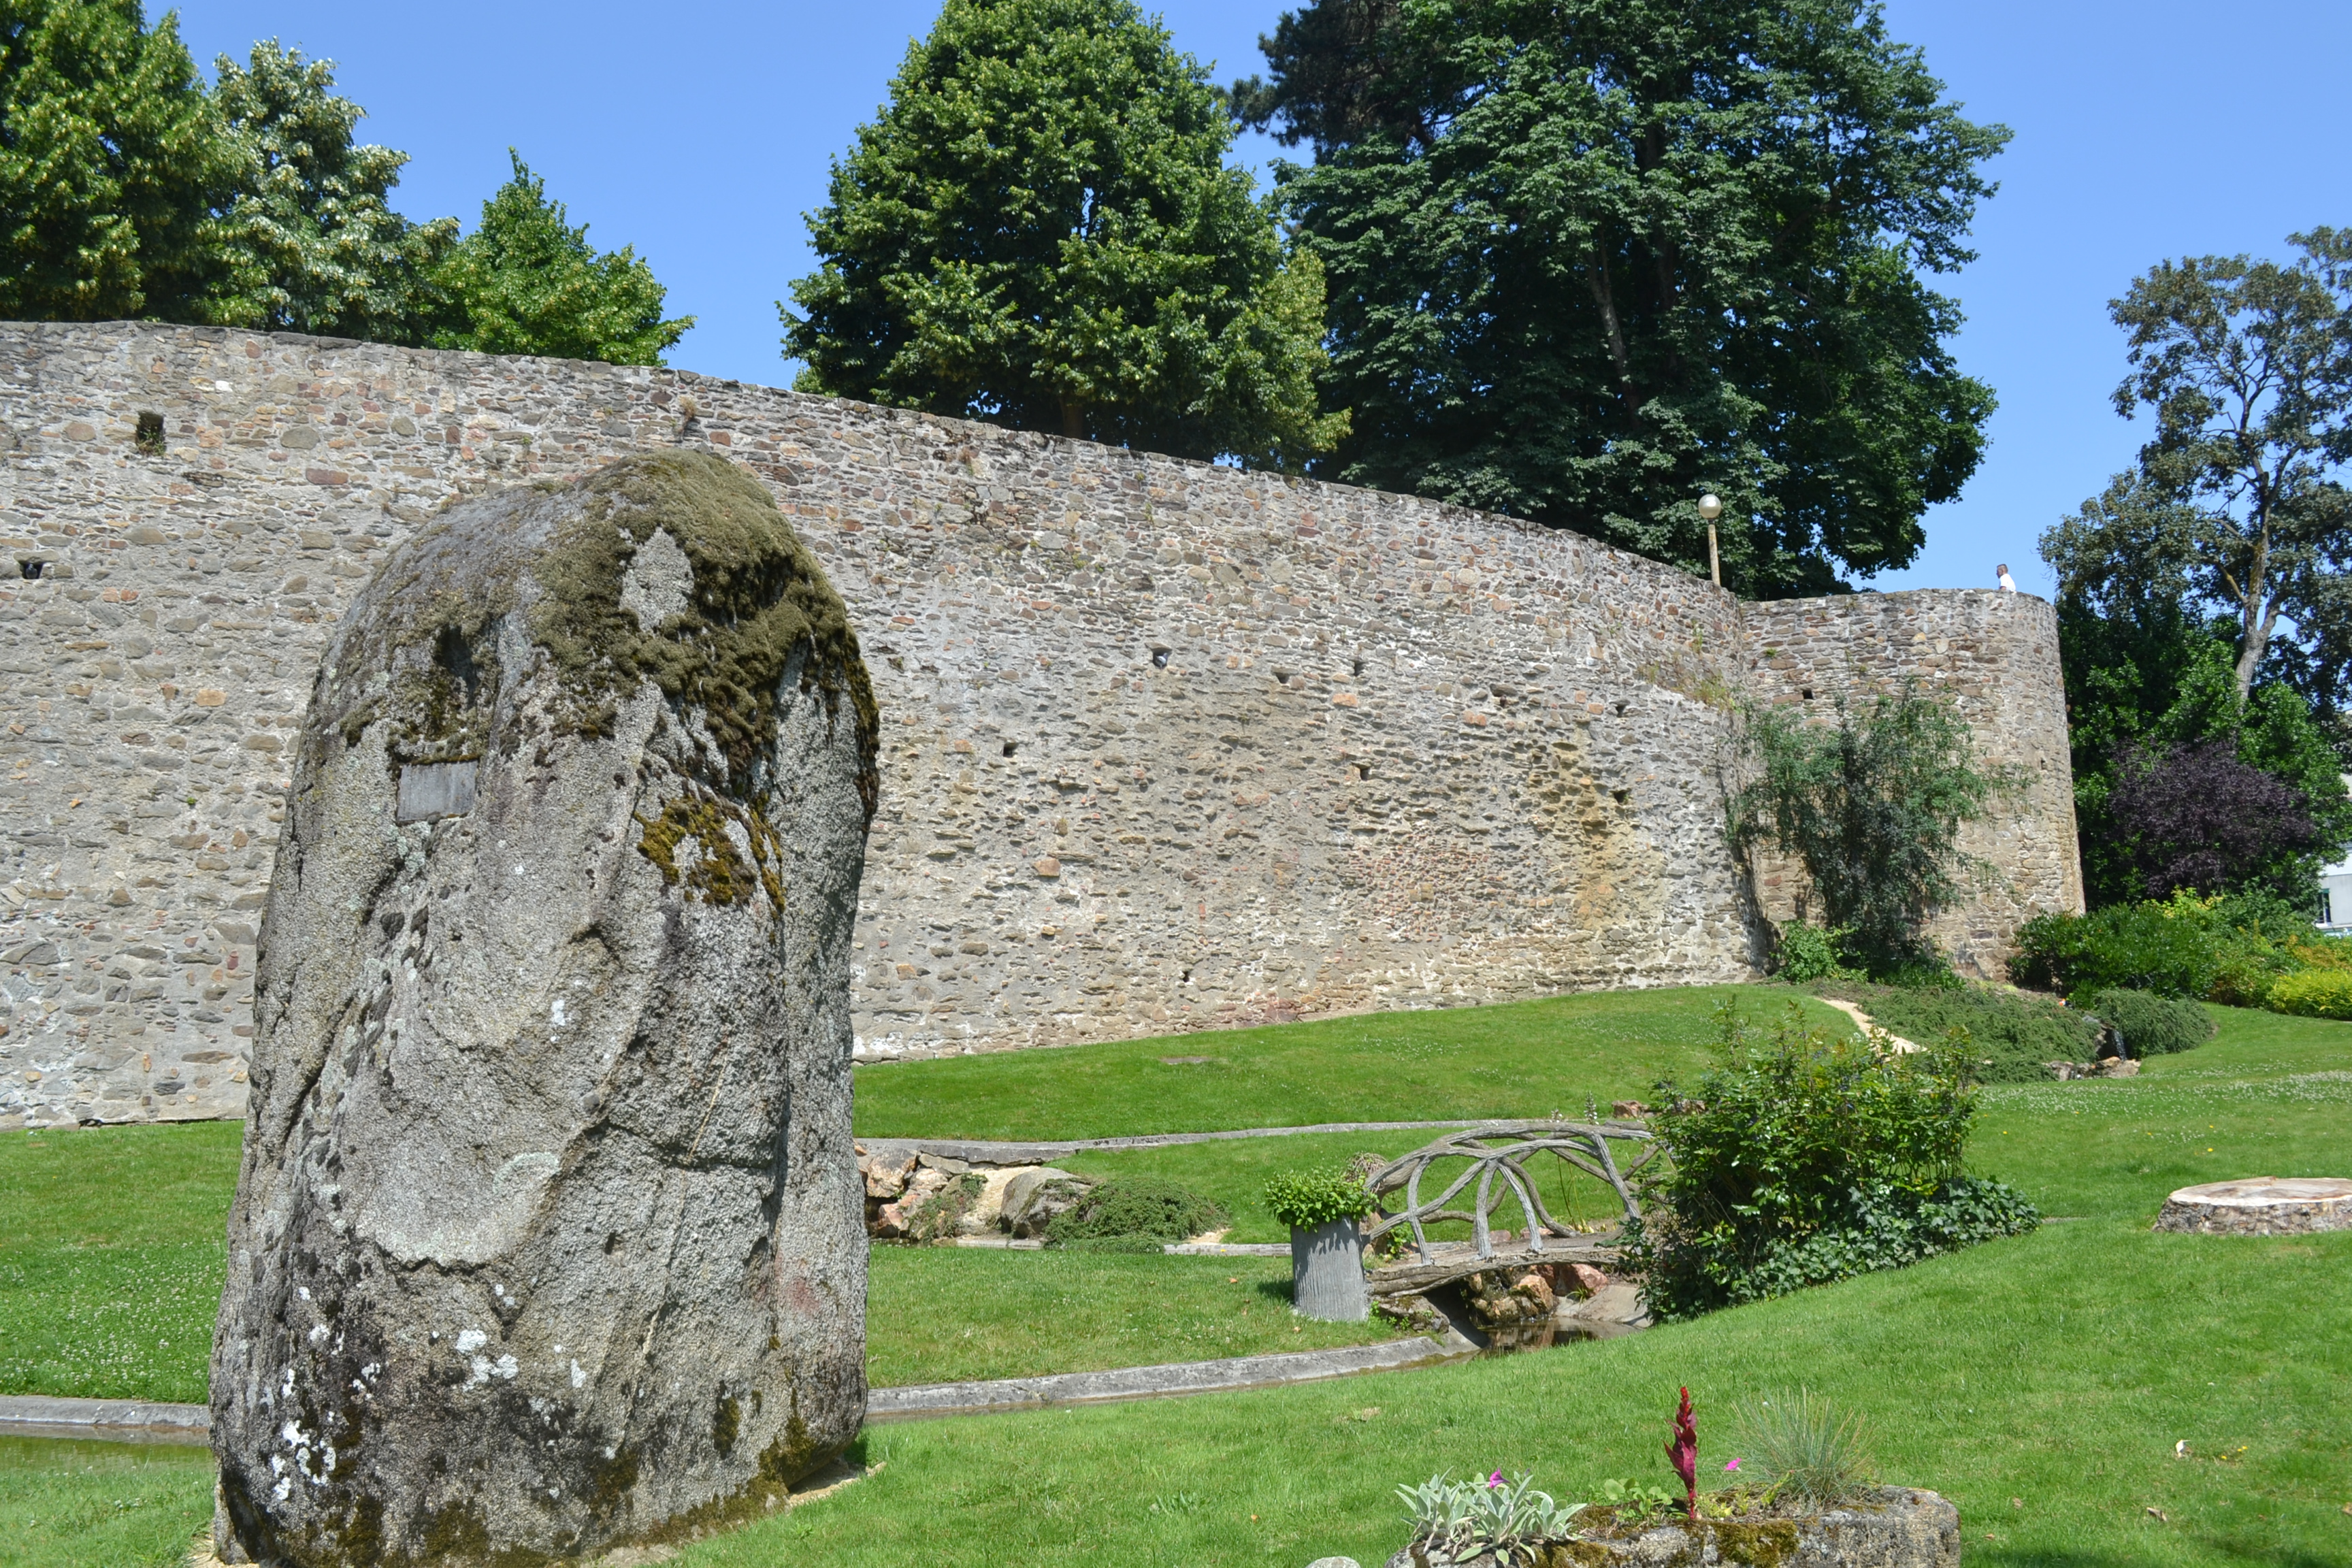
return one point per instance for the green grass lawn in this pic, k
(111, 1258)
(1518, 1058)
(2058, 1369)
(942, 1314)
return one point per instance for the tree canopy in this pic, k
(1040, 229)
(2238, 504)
(2204, 614)
(112, 167)
(1588, 258)
(527, 282)
(312, 241)
(130, 189)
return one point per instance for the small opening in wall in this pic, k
(1011, 746)
(1358, 668)
(150, 438)
(1807, 694)
(30, 570)
(1621, 797)
(1620, 711)
(1160, 657)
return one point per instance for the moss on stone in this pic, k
(761, 612)
(717, 871)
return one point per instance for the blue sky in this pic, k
(700, 133)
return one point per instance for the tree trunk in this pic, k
(1327, 1272)
(1074, 419)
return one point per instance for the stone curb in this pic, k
(126, 1421)
(983, 1151)
(920, 1400)
(104, 1420)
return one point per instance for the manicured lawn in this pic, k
(2058, 1369)
(112, 1244)
(101, 1505)
(1520, 1059)
(941, 1314)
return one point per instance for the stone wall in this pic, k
(1995, 656)
(1166, 746)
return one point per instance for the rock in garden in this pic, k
(548, 1235)
(1888, 1526)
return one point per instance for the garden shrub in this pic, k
(1804, 1157)
(1137, 1206)
(1803, 953)
(2312, 994)
(1873, 807)
(2009, 1038)
(2187, 948)
(2150, 1025)
(1304, 1199)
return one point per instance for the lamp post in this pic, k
(1710, 507)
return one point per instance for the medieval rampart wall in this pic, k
(1995, 656)
(1168, 746)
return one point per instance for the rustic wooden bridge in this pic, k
(1493, 1158)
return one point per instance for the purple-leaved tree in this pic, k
(2195, 816)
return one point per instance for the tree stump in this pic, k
(1327, 1272)
(2261, 1205)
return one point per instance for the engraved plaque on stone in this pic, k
(429, 789)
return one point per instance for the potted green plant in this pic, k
(1324, 1210)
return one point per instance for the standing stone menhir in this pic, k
(548, 1235)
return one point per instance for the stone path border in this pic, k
(920, 1401)
(104, 1420)
(985, 1151)
(122, 1421)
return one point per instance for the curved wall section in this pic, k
(1166, 746)
(1995, 656)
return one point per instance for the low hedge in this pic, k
(2010, 1039)
(2313, 994)
(2151, 1025)
(2240, 952)
(1137, 1206)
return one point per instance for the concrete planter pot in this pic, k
(1892, 1527)
(1327, 1272)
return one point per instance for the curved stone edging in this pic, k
(1021, 1152)
(976, 1399)
(104, 1420)
(127, 1421)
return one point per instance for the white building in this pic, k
(2336, 890)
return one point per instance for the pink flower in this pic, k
(1494, 1480)
(1732, 1466)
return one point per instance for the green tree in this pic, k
(527, 282)
(312, 241)
(1040, 230)
(1873, 807)
(113, 163)
(2151, 663)
(2238, 503)
(1588, 258)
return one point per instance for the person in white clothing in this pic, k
(2008, 582)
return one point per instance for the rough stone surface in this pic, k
(2260, 1205)
(1170, 746)
(1900, 1528)
(1995, 656)
(547, 1233)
